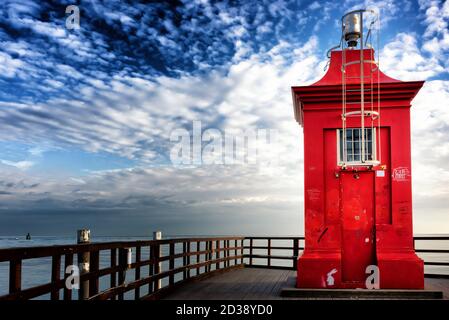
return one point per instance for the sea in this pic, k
(38, 271)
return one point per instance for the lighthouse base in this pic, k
(319, 270)
(323, 270)
(400, 270)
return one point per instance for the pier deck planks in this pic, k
(256, 284)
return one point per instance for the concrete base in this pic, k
(360, 294)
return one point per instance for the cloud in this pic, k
(133, 117)
(436, 17)
(430, 154)
(314, 5)
(436, 35)
(146, 189)
(10, 67)
(37, 151)
(22, 165)
(403, 59)
(132, 74)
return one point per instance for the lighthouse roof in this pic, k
(352, 60)
(328, 91)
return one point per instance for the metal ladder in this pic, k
(367, 85)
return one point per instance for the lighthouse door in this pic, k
(357, 220)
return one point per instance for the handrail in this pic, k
(431, 237)
(295, 248)
(209, 254)
(200, 256)
(45, 251)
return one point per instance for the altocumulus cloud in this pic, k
(133, 73)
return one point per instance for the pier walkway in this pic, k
(238, 284)
(257, 284)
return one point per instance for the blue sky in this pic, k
(86, 114)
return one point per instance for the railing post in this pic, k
(225, 253)
(15, 276)
(206, 255)
(171, 277)
(151, 268)
(269, 252)
(122, 262)
(94, 267)
(68, 261)
(242, 245)
(188, 258)
(157, 235)
(198, 256)
(184, 259)
(251, 251)
(235, 252)
(83, 236)
(211, 250)
(295, 252)
(157, 266)
(217, 254)
(228, 254)
(113, 281)
(137, 272)
(55, 275)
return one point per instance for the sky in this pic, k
(87, 114)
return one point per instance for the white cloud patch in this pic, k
(430, 154)
(436, 35)
(402, 59)
(22, 165)
(314, 5)
(10, 67)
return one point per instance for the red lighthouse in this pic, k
(357, 169)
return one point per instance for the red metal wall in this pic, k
(355, 221)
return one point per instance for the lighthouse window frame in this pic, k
(354, 146)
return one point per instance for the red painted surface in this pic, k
(350, 222)
(333, 74)
(357, 221)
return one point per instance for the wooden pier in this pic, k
(271, 284)
(188, 268)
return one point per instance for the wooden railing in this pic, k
(266, 245)
(157, 266)
(186, 259)
(445, 252)
(272, 252)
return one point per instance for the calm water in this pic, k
(38, 271)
